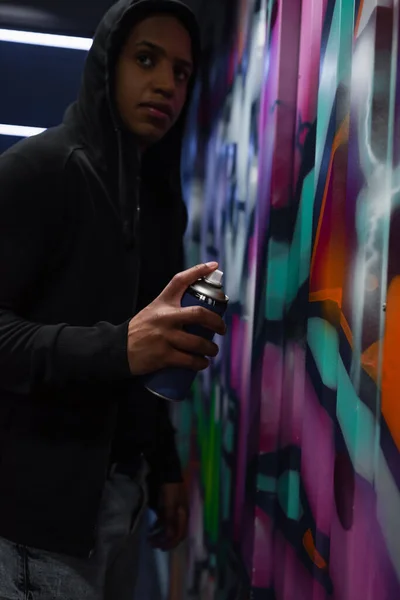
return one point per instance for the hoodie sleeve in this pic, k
(33, 353)
(168, 463)
(164, 461)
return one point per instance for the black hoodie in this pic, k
(72, 241)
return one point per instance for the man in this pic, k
(91, 228)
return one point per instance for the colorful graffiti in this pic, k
(291, 441)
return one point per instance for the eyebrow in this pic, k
(161, 50)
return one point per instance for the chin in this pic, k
(148, 134)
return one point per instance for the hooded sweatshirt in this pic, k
(89, 234)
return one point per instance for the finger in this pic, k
(178, 285)
(178, 529)
(182, 524)
(193, 344)
(164, 533)
(186, 360)
(173, 536)
(161, 544)
(197, 315)
(170, 526)
(158, 541)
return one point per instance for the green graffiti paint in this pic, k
(324, 345)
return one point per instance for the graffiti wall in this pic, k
(291, 440)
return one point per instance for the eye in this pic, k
(145, 60)
(182, 75)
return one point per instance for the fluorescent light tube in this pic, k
(45, 39)
(20, 130)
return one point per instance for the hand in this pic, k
(173, 516)
(156, 336)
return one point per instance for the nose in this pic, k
(164, 81)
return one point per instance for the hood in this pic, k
(94, 117)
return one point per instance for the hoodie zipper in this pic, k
(131, 220)
(131, 235)
(136, 225)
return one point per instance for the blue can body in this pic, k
(174, 384)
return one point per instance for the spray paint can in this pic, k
(174, 383)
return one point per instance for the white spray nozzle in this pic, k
(215, 278)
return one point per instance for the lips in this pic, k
(158, 109)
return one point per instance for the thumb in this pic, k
(169, 514)
(178, 285)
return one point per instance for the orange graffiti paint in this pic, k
(390, 367)
(309, 545)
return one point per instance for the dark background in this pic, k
(74, 17)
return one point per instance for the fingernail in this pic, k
(212, 264)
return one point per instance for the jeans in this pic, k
(109, 574)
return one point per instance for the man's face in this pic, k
(152, 77)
